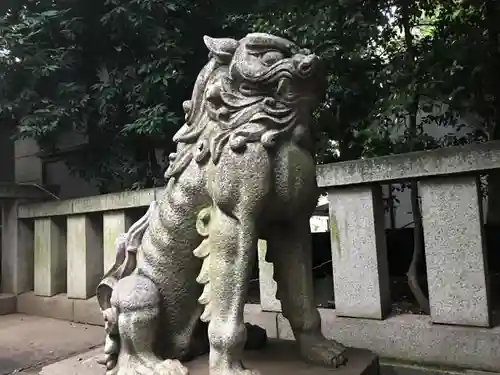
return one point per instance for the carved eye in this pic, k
(272, 57)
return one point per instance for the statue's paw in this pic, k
(323, 352)
(170, 367)
(236, 369)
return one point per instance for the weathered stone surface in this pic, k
(455, 251)
(279, 358)
(444, 161)
(244, 170)
(106, 202)
(85, 255)
(57, 307)
(114, 223)
(359, 252)
(413, 338)
(50, 257)
(17, 256)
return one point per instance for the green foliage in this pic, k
(118, 70)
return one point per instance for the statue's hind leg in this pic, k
(234, 247)
(135, 302)
(289, 248)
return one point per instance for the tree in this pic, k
(347, 36)
(466, 56)
(116, 71)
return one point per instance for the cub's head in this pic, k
(267, 65)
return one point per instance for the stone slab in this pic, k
(278, 358)
(359, 252)
(440, 162)
(412, 338)
(455, 251)
(28, 341)
(105, 202)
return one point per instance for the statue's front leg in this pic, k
(133, 323)
(234, 243)
(289, 248)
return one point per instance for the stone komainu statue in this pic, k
(244, 169)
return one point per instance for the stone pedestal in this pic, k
(280, 357)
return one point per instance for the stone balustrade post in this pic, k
(50, 256)
(16, 251)
(455, 251)
(114, 223)
(359, 252)
(85, 255)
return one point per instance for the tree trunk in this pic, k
(418, 243)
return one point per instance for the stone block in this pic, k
(8, 304)
(87, 311)
(114, 223)
(267, 285)
(99, 203)
(443, 161)
(278, 358)
(85, 255)
(267, 320)
(359, 252)
(57, 307)
(454, 250)
(412, 338)
(50, 257)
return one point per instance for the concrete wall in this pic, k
(30, 167)
(6, 154)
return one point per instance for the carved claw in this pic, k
(323, 352)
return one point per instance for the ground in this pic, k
(29, 342)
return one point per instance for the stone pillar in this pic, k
(17, 250)
(50, 257)
(85, 255)
(267, 285)
(114, 223)
(455, 251)
(359, 252)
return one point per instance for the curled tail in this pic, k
(127, 245)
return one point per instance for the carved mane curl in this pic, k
(230, 107)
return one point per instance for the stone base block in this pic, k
(61, 307)
(7, 304)
(280, 357)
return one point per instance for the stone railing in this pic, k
(58, 250)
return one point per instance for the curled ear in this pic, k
(222, 48)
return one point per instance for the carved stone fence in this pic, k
(54, 253)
